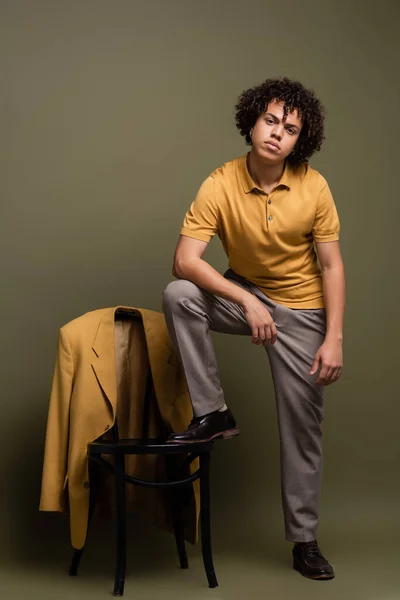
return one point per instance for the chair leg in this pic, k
(120, 525)
(205, 522)
(76, 558)
(176, 512)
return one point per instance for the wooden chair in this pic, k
(177, 479)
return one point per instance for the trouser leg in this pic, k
(190, 314)
(300, 414)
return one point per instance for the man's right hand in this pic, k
(263, 328)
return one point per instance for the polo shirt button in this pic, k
(86, 485)
(269, 201)
(269, 218)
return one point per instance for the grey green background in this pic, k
(112, 114)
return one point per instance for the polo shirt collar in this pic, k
(249, 185)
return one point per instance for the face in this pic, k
(274, 138)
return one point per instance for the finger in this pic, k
(322, 376)
(335, 375)
(268, 334)
(274, 333)
(265, 333)
(328, 377)
(315, 365)
(260, 336)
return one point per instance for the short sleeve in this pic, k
(326, 225)
(201, 220)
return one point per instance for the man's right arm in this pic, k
(188, 264)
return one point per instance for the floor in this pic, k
(367, 566)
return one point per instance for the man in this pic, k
(276, 219)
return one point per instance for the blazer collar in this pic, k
(105, 331)
(153, 323)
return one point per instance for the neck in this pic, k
(264, 174)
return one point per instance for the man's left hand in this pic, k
(330, 355)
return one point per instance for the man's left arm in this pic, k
(330, 354)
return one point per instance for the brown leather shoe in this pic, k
(206, 428)
(310, 562)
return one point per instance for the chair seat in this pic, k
(146, 446)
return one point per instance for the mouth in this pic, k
(272, 146)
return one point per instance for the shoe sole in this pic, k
(326, 577)
(226, 435)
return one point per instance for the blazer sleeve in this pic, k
(54, 475)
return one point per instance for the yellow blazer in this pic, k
(83, 406)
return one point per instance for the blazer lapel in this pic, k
(103, 362)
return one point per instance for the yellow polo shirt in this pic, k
(268, 238)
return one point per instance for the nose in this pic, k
(277, 131)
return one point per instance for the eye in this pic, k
(291, 131)
(268, 120)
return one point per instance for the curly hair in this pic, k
(254, 102)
